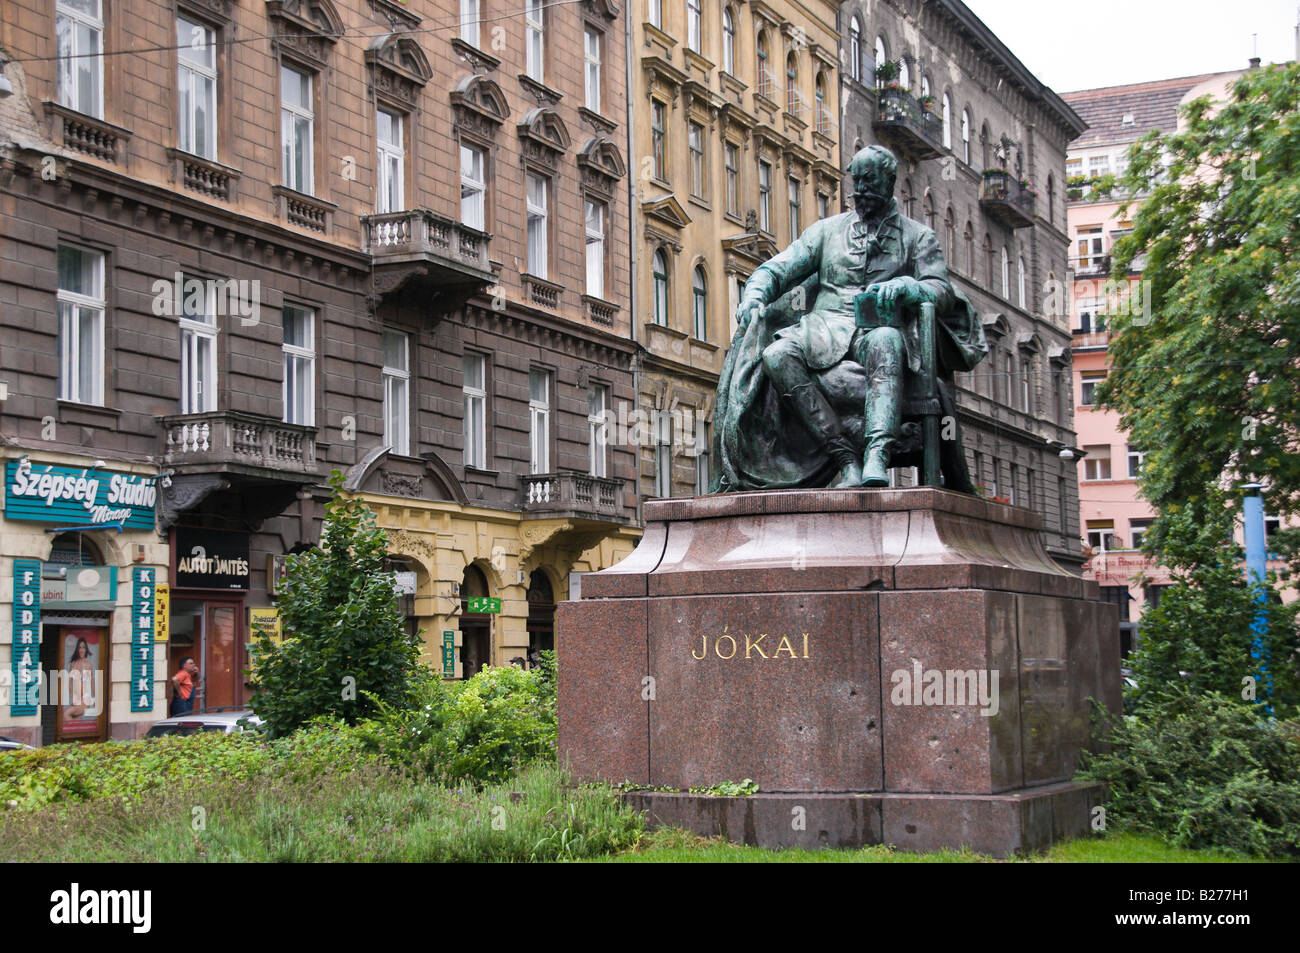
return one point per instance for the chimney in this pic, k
(1254, 62)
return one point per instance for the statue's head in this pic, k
(874, 170)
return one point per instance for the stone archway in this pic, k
(541, 614)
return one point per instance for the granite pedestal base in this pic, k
(911, 662)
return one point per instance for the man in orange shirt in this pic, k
(185, 682)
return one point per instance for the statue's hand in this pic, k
(895, 293)
(747, 311)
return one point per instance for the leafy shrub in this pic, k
(346, 647)
(1203, 771)
(479, 730)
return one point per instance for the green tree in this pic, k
(1207, 382)
(345, 643)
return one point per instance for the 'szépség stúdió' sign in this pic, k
(51, 494)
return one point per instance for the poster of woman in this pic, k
(81, 686)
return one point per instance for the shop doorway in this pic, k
(541, 615)
(75, 642)
(210, 631)
(475, 627)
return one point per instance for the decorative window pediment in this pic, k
(1059, 356)
(995, 325)
(479, 105)
(602, 8)
(667, 210)
(545, 137)
(398, 66)
(601, 165)
(1030, 342)
(306, 28)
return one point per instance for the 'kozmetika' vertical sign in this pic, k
(25, 660)
(142, 641)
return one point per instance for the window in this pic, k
(700, 304)
(793, 101)
(985, 143)
(474, 391)
(702, 474)
(392, 162)
(947, 121)
(81, 325)
(469, 17)
(198, 320)
(1137, 529)
(296, 133)
(664, 456)
(597, 401)
(1013, 483)
(655, 13)
(1062, 510)
(794, 187)
(1051, 198)
(79, 29)
(538, 257)
(1101, 536)
(988, 261)
(968, 236)
(881, 58)
(534, 40)
(694, 26)
(1020, 282)
(1088, 389)
(1006, 274)
(1029, 488)
(695, 138)
(764, 71)
(950, 234)
(658, 133)
(905, 75)
(905, 198)
(927, 210)
(1096, 465)
(299, 366)
(660, 277)
(1089, 243)
(196, 57)
(473, 188)
(823, 117)
(1026, 385)
(591, 53)
(397, 392)
(855, 48)
(539, 420)
(823, 205)
(731, 154)
(965, 136)
(1136, 458)
(764, 196)
(1098, 165)
(595, 227)
(728, 41)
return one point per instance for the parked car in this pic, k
(13, 744)
(225, 720)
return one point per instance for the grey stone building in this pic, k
(982, 147)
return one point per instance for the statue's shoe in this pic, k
(875, 469)
(850, 475)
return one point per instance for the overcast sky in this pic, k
(1116, 42)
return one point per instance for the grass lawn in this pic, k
(673, 846)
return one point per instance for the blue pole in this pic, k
(1252, 512)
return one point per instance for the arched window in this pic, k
(950, 236)
(904, 74)
(1006, 274)
(660, 288)
(792, 103)
(1020, 280)
(947, 122)
(700, 304)
(927, 208)
(1051, 199)
(764, 70)
(969, 236)
(823, 117)
(882, 57)
(925, 85)
(985, 145)
(855, 48)
(905, 198)
(728, 41)
(694, 26)
(965, 136)
(988, 263)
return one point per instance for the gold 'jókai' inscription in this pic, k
(727, 646)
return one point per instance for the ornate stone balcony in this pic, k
(87, 134)
(1005, 200)
(572, 495)
(417, 244)
(902, 121)
(227, 441)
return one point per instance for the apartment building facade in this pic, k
(982, 148)
(736, 144)
(292, 237)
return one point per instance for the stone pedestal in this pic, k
(900, 666)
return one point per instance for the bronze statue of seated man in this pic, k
(815, 396)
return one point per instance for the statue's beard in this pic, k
(869, 206)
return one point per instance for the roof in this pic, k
(1153, 106)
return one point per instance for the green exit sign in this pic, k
(486, 604)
